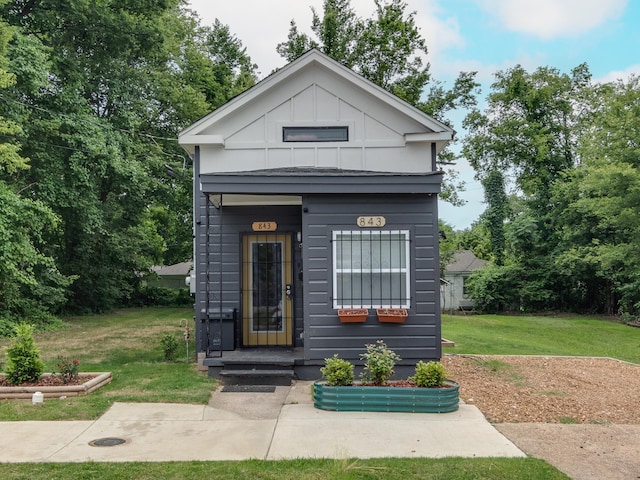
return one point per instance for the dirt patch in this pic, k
(548, 389)
(582, 415)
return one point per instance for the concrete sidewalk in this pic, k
(239, 426)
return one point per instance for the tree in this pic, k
(388, 50)
(31, 287)
(529, 132)
(600, 222)
(496, 213)
(102, 90)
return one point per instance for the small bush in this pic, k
(379, 363)
(337, 371)
(23, 357)
(429, 375)
(170, 346)
(67, 369)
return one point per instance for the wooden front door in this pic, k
(267, 282)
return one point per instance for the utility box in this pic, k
(221, 325)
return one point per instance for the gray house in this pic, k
(315, 191)
(454, 295)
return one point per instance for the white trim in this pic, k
(201, 140)
(428, 137)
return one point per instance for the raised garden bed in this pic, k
(386, 398)
(91, 382)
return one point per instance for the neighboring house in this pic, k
(315, 190)
(172, 276)
(454, 295)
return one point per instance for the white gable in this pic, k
(384, 133)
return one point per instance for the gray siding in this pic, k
(419, 337)
(219, 260)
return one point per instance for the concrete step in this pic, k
(256, 377)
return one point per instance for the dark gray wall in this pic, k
(222, 256)
(419, 338)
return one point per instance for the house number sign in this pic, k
(264, 226)
(371, 222)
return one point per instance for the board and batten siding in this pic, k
(224, 259)
(419, 337)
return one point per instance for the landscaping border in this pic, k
(26, 392)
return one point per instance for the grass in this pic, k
(504, 371)
(543, 335)
(126, 343)
(302, 469)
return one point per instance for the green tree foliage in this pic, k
(23, 356)
(600, 221)
(101, 91)
(529, 133)
(389, 50)
(496, 213)
(31, 287)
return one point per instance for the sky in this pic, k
(485, 36)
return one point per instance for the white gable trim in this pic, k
(190, 136)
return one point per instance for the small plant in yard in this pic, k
(379, 362)
(67, 369)
(429, 375)
(23, 357)
(337, 371)
(170, 346)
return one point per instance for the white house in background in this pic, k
(172, 276)
(453, 287)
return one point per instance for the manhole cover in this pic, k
(107, 442)
(249, 388)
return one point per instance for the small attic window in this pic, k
(315, 134)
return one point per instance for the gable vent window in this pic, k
(315, 134)
(371, 269)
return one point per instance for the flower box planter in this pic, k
(392, 315)
(353, 315)
(386, 399)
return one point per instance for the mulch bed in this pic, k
(49, 381)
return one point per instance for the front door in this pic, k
(267, 310)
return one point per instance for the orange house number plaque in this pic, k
(264, 226)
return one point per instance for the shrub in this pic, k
(23, 357)
(170, 346)
(379, 363)
(67, 369)
(429, 375)
(337, 371)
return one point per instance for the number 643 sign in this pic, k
(371, 221)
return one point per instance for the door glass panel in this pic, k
(267, 288)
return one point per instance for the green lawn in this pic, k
(302, 469)
(542, 335)
(127, 344)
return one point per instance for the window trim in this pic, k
(343, 129)
(406, 270)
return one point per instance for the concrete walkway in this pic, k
(239, 426)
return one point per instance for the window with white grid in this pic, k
(371, 269)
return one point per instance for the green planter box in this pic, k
(386, 399)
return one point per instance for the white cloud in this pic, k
(549, 19)
(620, 74)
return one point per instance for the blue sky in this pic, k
(467, 35)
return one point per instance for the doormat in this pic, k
(249, 389)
